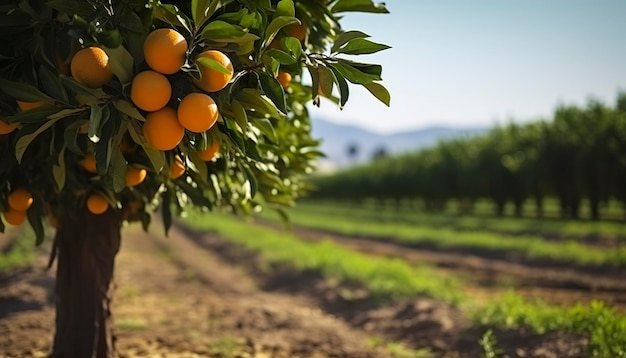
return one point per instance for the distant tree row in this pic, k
(579, 154)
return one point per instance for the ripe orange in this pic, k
(296, 30)
(6, 128)
(164, 50)
(150, 91)
(177, 169)
(135, 176)
(20, 199)
(90, 66)
(197, 112)
(89, 163)
(209, 153)
(14, 217)
(284, 78)
(97, 204)
(212, 80)
(25, 106)
(162, 129)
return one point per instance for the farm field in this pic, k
(222, 287)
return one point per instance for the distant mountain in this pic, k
(337, 138)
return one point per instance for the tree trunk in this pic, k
(86, 248)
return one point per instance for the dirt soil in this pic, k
(193, 295)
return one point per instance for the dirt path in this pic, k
(490, 275)
(176, 300)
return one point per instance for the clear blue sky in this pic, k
(471, 63)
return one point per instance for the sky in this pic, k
(477, 63)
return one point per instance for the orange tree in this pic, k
(111, 110)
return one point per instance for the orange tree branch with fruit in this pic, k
(112, 110)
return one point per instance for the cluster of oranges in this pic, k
(165, 52)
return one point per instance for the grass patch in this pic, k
(226, 347)
(399, 350)
(604, 327)
(531, 247)
(21, 252)
(384, 278)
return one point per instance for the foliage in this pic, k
(263, 129)
(579, 154)
(20, 253)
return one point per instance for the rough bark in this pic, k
(86, 248)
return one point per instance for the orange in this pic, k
(197, 112)
(25, 106)
(14, 217)
(284, 78)
(150, 91)
(20, 199)
(209, 153)
(89, 163)
(135, 176)
(6, 128)
(296, 30)
(164, 50)
(213, 80)
(162, 129)
(97, 204)
(177, 169)
(90, 66)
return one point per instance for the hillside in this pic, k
(336, 138)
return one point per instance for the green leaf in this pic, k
(52, 84)
(252, 99)
(326, 80)
(95, 119)
(292, 45)
(281, 56)
(265, 126)
(128, 109)
(359, 6)
(34, 215)
(379, 91)
(59, 170)
(362, 47)
(27, 134)
(285, 8)
(36, 115)
(354, 75)
(240, 114)
(110, 38)
(277, 24)
(172, 15)
(198, 11)
(345, 37)
(272, 65)
(212, 64)
(22, 92)
(121, 63)
(219, 30)
(118, 171)
(344, 90)
(274, 91)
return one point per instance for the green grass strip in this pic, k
(21, 253)
(383, 277)
(531, 247)
(571, 229)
